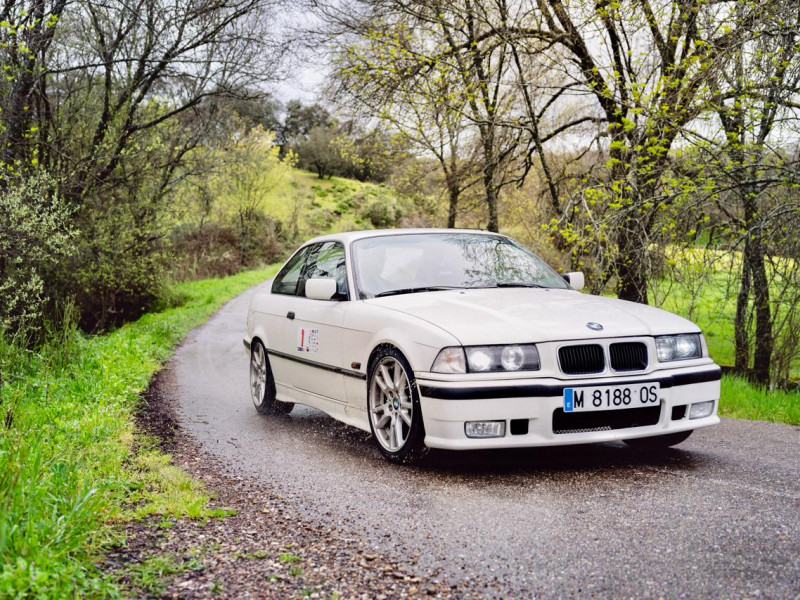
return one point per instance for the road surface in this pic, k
(717, 516)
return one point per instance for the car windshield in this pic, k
(408, 263)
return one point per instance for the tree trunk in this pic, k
(453, 192)
(755, 281)
(631, 264)
(494, 219)
(631, 269)
(490, 167)
(754, 256)
(243, 239)
(741, 339)
(764, 345)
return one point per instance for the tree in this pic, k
(420, 55)
(753, 170)
(367, 155)
(648, 67)
(253, 171)
(424, 112)
(106, 97)
(298, 122)
(318, 153)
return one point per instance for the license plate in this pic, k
(611, 397)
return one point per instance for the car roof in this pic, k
(348, 236)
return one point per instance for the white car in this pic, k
(454, 339)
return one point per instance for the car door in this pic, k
(313, 329)
(273, 315)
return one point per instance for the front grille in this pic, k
(581, 360)
(604, 420)
(628, 356)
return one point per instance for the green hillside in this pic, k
(335, 204)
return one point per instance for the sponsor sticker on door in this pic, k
(307, 339)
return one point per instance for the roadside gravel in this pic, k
(268, 548)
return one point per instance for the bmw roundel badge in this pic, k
(594, 326)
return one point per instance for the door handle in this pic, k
(290, 315)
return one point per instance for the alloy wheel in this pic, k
(391, 407)
(258, 374)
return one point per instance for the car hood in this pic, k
(503, 315)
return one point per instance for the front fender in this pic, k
(371, 327)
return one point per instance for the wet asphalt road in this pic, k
(718, 516)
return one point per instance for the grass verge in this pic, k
(69, 468)
(742, 400)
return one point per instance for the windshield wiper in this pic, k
(518, 284)
(413, 290)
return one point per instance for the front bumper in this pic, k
(531, 404)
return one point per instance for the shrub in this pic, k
(216, 250)
(382, 208)
(34, 236)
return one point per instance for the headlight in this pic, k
(513, 357)
(479, 359)
(487, 359)
(678, 347)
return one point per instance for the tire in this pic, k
(262, 384)
(659, 442)
(393, 408)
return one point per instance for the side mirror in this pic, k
(575, 280)
(320, 288)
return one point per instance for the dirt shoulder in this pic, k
(266, 549)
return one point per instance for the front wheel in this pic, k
(659, 442)
(395, 417)
(262, 384)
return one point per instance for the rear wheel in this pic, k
(262, 384)
(395, 417)
(659, 442)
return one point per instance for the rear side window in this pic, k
(326, 260)
(285, 282)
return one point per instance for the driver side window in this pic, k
(326, 260)
(286, 281)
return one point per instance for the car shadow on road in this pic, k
(335, 439)
(584, 458)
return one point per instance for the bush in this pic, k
(382, 208)
(119, 266)
(208, 251)
(34, 236)
(216, 250)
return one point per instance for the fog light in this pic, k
(701, 409)
(485, 429)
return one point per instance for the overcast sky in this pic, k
(307, 66)
(302, 84)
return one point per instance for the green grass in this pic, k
(148, 577)
(711, 307)
(289, 558)
(336, 204)
(319, 206)
(164, 489)
(742, 400)
(69, 466)
(707, 296)
(704, 289)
